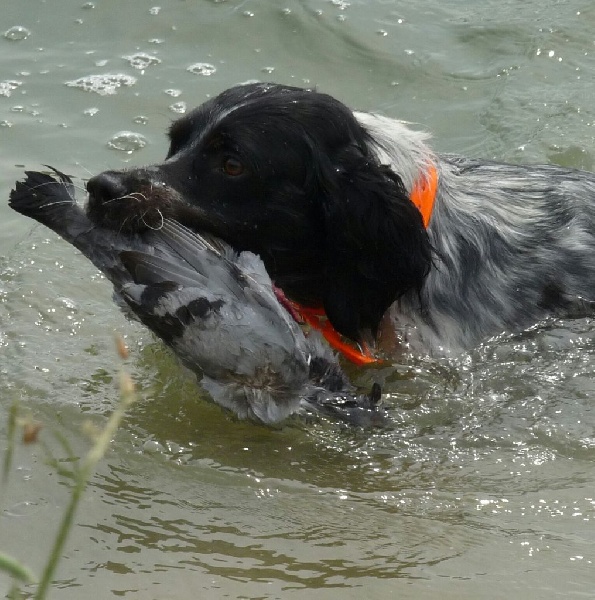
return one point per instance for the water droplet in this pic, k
(17, 33)
(178, 107)
(200, 68)
(127, 141)
(153, 446)
(104, 85)
(7, 87)
(23, 509)
(142, 60)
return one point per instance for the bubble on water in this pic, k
(141, 60)
(178, 108)
(24, 509)
(9, 86)
(17, 33)
(127, 141)
(268, 70)
(155, 10)
(153, 447)
(141, 120)
(173, 93)
(88, 5)
(104, 85)
(91, 112)
(201, 68)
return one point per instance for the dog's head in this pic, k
(289, 174)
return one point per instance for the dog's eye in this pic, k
(232, 167)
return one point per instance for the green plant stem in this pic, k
(16, 569)
(12, 426)
(82, 476)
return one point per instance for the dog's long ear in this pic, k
(377, 248)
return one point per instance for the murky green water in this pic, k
(484, 487)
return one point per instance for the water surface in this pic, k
(484, 487)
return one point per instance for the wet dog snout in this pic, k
(106, 186)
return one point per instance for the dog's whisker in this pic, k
(138, 196)
(41, 185)
(85, 169)
(58, 202)
(123, 224)
(80, 188)
(160, 226)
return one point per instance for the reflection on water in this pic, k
(482, 484)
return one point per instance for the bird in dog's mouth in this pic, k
(215, 308)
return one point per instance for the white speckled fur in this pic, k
(504, 237)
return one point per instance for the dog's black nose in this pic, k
(108, 185)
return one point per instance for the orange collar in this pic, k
(316, 318)
(422, 195)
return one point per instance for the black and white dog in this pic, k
(328, 198)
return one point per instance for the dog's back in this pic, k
(513, 244)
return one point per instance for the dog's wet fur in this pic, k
(322, 194)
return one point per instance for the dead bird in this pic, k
(215, 308)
